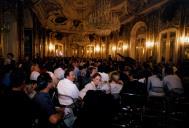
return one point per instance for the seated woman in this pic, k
(115, 83)
(93, 85)
(155, 84)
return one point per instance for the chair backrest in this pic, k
(132, 99)
(98, 106)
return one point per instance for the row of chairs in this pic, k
(139, 111)
(134, 111)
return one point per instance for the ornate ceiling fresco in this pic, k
(73, 16)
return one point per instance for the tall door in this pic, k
(168, 46)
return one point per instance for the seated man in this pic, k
(67, 93)
(46, 113)
(66, 88)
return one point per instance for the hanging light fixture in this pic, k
(102, 20)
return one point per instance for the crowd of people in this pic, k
(41, 93)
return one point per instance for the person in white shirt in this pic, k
(68, 88)
(93, 85)
(67, 92)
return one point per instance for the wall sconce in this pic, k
(114, 48)
(149, 44)
(75, 51)
(125, 46)
(97, 48)
(51, 47)
(184, 39)
(87, 51)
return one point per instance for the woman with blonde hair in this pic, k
(115, 83)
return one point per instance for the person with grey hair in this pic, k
(67, 94)
(172, 83)
(115, 83)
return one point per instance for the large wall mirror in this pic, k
(59, 49)
(137, 41)
(140, 47)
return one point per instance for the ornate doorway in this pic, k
(137, 42)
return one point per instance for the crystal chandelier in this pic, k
(102, 20)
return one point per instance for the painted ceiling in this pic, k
(69, 16)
